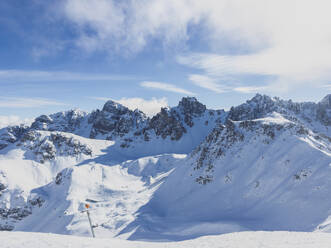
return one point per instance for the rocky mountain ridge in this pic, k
(128, 128)
(306, 112)
(119, 159)
(246, 175)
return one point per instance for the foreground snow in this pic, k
(232, 240)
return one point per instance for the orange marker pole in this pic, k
(87, 206)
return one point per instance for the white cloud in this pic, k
(98, 98)
(36, 75)
(288, 72)
(250, 89)
(23, 102)
(11, 120)
(207, 83)
(289, 40)
(149, 107)
(130, 24)
(165, 87)
(212, 83)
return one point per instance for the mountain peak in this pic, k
(112, 106)
(326, 100)
(191, 105)
(260, 98)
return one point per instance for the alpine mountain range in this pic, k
(186, 172)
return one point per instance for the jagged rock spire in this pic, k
(191, 105)
(114, 107)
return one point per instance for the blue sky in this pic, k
(58, 55)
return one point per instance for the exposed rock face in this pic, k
(2, 187)
(167, 123)
(46, 146)
(10, 215)
(13, 214)
(69, 121)
(215, 145)
(324, 110)
(262, 105)
(42, 122)
(231, 139)
(223, 137)
(14, 204)
(115, 120)
(11, 134)
(326, 101)
(255, 108)
(191, 108)
(171, 122)
(58, 178)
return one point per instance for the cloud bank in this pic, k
(12, 120)
(149, 107)
(288, 40)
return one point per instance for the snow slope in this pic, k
(263, 174)
(48, 176)
(114, 192)
(264, 165)
(232, 240)
(35, 162)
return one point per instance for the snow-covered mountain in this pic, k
(263, 174)
(316, 116)
(186, 172)
(173, 130)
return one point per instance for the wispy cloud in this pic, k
(99, 98)
(207, 83)
(250, 89)
(22, 102)
(285, 77)
(37, 75)
(149, 107)
(165, 87)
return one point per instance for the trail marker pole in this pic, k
(87, 206)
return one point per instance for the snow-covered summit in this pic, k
(114, 107)
(315, 115)
(190, 105)
(178, 129)
(67, 121)
(245, 169)
(115, 120)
